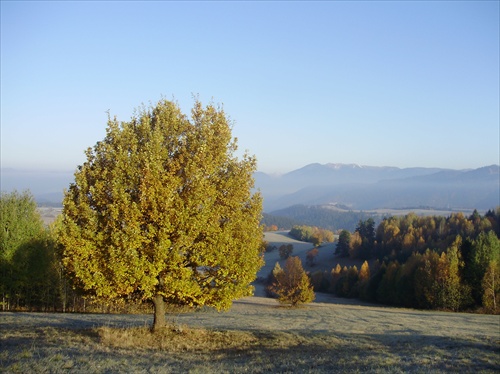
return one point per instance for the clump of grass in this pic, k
(175, 338)
(25, 353)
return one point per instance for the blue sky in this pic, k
(374, 83)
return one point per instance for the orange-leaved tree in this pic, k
(291, 284)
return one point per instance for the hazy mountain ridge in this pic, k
(355, 186)
(370, 187)
(47, 186)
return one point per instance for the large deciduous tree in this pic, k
(163, 210)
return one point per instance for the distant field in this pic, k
(49, 214)
(324, 261)
(278, 238)
(402, 212)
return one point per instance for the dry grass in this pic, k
(255, 336)
(176, 338)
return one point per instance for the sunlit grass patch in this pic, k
(175, 338)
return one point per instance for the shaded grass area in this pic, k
(183, 349)
(255, 336)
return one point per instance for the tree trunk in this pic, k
(159, 313)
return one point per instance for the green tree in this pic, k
(346, 284)
(387, 292)
(162, 210)
(292, 285)
(425, 275)
(342, 248)
(366, 230)
(20, 222)
(37, 275)
(303, 233)
(484, 250)
(21, 234)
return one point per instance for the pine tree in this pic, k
(342, 247)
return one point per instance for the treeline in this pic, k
(315, 216)
(273, 223)
(448, 263)
(312, 234)
(32, 276)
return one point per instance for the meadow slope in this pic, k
(261, 336)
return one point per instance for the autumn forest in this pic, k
(449, 263)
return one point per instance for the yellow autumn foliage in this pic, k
(162, 206)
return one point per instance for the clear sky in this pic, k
(374, 83)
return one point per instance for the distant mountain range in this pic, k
(352, 186)
(369, 187)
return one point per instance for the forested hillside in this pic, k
(432, 262)
(316, 216)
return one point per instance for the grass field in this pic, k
(256, 335)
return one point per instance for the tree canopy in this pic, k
(163, 210)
